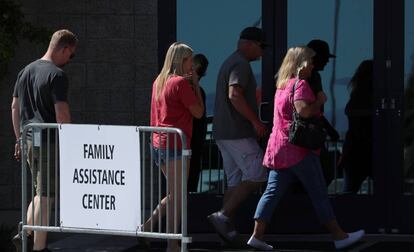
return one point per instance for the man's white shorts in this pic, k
(242, 160)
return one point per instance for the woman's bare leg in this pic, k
(172, 201)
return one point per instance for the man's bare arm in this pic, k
(62, 112)
(238, 100)
(16, 126)
(15, 117)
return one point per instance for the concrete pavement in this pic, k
(210, 243)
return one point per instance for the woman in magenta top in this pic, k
(176, 99)
(288, 162)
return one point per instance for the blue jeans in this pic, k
(309, 173)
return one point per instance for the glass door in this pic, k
(346, 29)
(355, 84)
(401, 84)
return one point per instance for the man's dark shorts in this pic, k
(42, 166)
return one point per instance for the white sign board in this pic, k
(100, 183)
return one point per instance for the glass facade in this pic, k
(308, 20)
(212, 28)
(347, 27)
(367, 99)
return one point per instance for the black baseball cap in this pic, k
(254, 34)
(321, 48)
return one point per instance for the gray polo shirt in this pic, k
(228, 123)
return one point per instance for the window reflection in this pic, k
(330, 21)
(213, 28)
(356, 162)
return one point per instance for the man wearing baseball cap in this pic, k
(320, 60)
(236, 128)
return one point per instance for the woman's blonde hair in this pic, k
(173, 64)
(295, 60)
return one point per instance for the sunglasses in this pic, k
(261, 45)
(72, 54)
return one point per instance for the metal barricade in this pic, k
(212, 178)
(333, 149)
(170, 162)
(163, 191)
(336, 185)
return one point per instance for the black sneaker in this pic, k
(43, 250)
(18, 242)
(223, 227)
(144, 243)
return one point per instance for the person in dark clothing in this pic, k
(200, 64)
(319, 61)
(356, 160)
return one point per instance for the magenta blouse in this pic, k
(279, 152)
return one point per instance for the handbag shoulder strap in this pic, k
(294, 88)
(293, 94)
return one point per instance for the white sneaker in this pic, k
(258, 244)
(352, 238)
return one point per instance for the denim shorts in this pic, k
(161, 156)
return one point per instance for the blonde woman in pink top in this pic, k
(289, 163)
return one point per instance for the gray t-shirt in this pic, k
(39, 86)
(228, 123)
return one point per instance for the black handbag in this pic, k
(306, 132)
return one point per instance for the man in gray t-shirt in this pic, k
(40, 96)
(39, 86)
(236, 127)
(229, 122)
